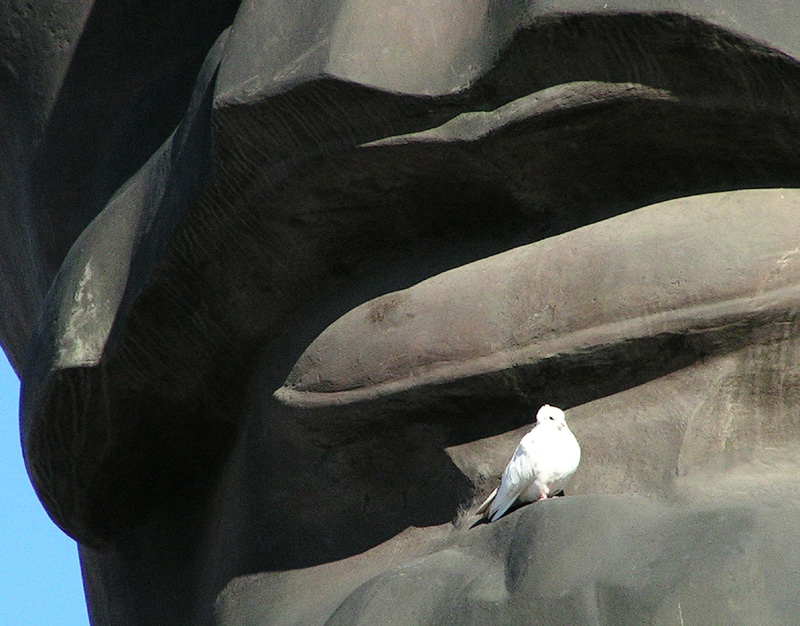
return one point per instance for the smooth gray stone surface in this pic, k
(200, 198)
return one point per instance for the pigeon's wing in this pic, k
(517, 476)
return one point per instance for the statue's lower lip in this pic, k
(580, 295)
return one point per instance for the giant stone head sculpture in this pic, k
(285, 282)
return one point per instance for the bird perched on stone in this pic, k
(545, 459)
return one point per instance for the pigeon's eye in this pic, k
(552, 418)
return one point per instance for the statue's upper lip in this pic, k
(660, 270)
(445, 48)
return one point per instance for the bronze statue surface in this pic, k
(285, 282)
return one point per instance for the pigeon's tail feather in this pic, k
(499, 507)
(485, 506)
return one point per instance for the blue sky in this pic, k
(40, 577)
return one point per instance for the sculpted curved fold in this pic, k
(633, 276)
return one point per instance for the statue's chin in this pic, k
(576, 560)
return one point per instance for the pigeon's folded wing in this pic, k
(517, 476)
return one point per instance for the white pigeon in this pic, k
(545, 459)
